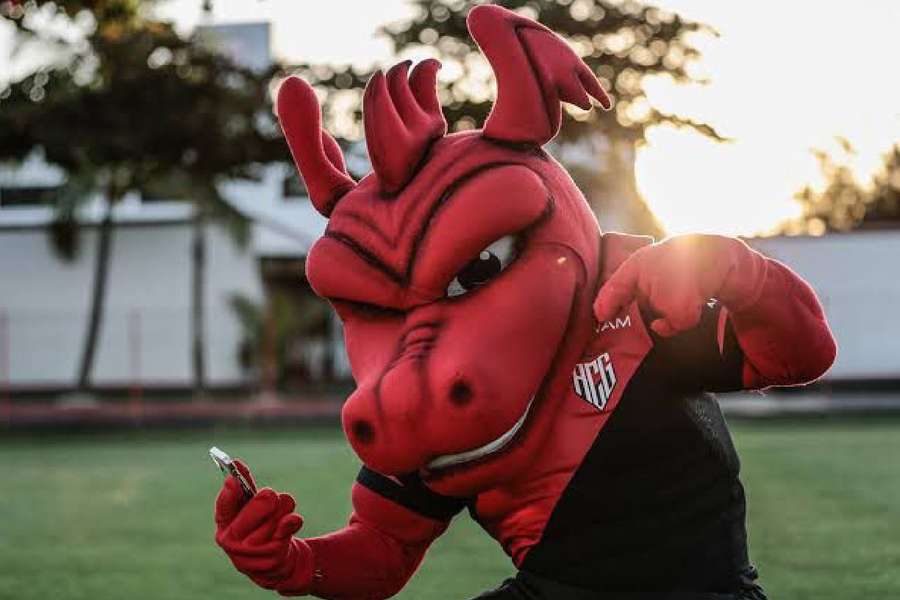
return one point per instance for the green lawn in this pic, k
(129, 516)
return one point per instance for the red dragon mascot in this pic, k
(513, 360)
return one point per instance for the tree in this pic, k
(130, 106)
(623, 42)
(269, 330)
(883, 206)
(845, 203)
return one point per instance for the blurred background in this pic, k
(153, 233)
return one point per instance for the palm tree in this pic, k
(137, 105)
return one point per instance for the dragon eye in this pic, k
(489, 263)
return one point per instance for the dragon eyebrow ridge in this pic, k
(448, 192)
(367, 256)
(403, 278)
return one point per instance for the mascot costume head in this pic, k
(463, 267)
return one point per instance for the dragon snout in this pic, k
(397, 422)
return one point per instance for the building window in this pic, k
(35, 195)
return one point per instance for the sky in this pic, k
(779, 87)
(785, 77)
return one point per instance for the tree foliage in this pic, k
(845, 203)
(127, 104)
(271, 329)
(623, 42)
(137, 103)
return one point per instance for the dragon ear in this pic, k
(535, 71)
(317, 156)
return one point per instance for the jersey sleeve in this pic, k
(706, 357)
(411, 493)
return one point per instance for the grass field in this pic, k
(129, 516)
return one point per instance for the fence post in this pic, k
(5, 377)
(135, 390)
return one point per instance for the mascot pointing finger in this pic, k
(514, 361)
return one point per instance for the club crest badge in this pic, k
(594, 381)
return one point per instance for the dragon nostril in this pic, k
(460, 393)
(362, 432)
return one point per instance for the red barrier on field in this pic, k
(180, 413)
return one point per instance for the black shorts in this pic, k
(526, 586)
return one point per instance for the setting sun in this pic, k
(819, 74)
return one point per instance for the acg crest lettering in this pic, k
(594, 381)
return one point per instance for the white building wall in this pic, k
(41, 299)
(145, 333)
(232, 270)
(857, 277)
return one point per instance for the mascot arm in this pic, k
(764, 327)
(783, 333)
(373, 557)
(392, 525)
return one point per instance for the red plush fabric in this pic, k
(315, 152)
(536, 70)
(402, 117)
(392, 355)
(675, 278)
(465, 268)
(777, 318)
(784, 334)
(376, 554)
(257, 535)
(372, 558)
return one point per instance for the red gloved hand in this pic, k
(257, 535)
(674, 278)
